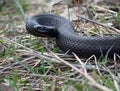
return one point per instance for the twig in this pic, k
(57, 77)
(46, 56)
(33, 84)
(82, 64)
(114, 79)
(103, 25)
(91, 80)
(8, 67)
(32, 52)
(104, 9)
(33, 67)
(94, 57)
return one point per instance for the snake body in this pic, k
(49, 25)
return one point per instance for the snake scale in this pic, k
(49, 25)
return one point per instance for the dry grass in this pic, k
(29, 63)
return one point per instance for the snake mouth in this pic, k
(45, 30)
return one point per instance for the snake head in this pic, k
(45, 30)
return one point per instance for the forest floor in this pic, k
(29, 63)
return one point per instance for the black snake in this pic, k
(49, 25)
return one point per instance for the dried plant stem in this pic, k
(8, 67)
(91, 80)
(32, 52)
(56, 77)
(103, 25)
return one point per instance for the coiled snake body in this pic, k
(48, 25)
